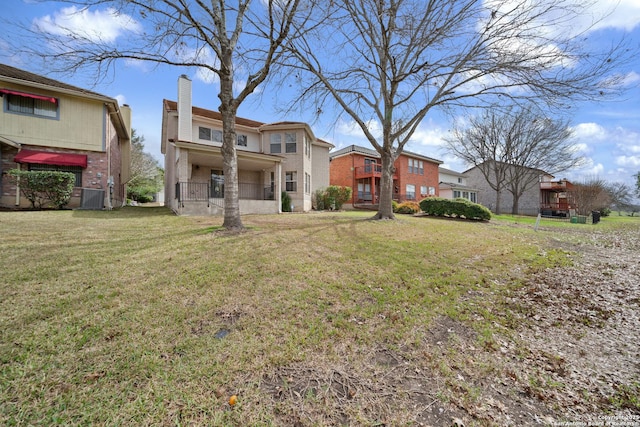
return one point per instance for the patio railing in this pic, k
(202, 191)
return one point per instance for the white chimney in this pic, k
(185, 123)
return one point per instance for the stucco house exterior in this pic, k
(453, 185)
(272, 158)
(415, 176)
(46, 124)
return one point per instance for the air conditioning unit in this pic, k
(92, 198)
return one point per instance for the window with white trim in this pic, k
(291, 145)
(307, 183)
(276, 143)
(411, 192)
(291, 181)
(242, 140)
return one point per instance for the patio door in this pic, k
(217, 184)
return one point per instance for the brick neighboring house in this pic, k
(272, 158)
(453, 185)
(415, 176)
(49, 125)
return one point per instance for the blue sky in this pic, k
(607, 134)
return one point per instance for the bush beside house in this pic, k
(408, 207)
(332, 197)
(45, 189)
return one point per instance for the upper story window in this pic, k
(276, 143)
(290, 142)
(209, 134)
(416, 166)
(204, 133)
(242, 140)
(34, 105)
(459, 180)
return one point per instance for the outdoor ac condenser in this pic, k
(92, 198)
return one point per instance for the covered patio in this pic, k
(200, 183)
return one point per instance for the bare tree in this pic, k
(512, 149)
(390, 62)
(621, 196)
(237, 41)
(591, 195)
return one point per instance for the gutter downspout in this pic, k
(108, 146)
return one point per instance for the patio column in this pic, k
(183, 165)
(372, 185)
(278, 184)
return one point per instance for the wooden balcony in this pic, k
(555, 185)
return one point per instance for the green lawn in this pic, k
(117, 317)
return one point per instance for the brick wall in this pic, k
(429, 179)
(94, 176)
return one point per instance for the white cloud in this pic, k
(429, 135)
(207, 76)
(97, 26)
(121, 99)
(628, 161)
(625, 16)
(631, 79)
(352, 129)
(590, 132)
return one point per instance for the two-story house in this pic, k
(49, 125)
(272, 158)
(541, 192)
(415, 176)
(453, 185)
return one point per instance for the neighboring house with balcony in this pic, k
(415, 176)
(453, 185)
(272, 158)
(556, 199)
(47, 125)
(542, 193)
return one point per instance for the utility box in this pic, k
(92, 198)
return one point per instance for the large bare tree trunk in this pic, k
(232, 219)
(385, 208)
(228, 110)
(515, 205)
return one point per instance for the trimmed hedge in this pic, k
(45, 188)
(456, 208)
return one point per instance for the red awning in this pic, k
(29, 95)
(49, 158)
